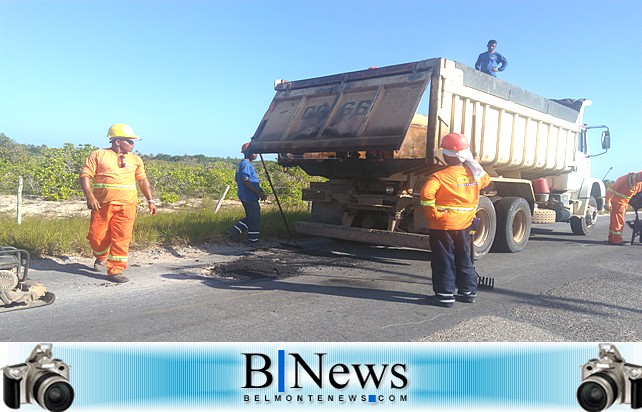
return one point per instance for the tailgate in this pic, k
(368, 109)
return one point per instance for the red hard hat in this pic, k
(244, 147)
(455, 142)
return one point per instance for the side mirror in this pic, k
(606, 140)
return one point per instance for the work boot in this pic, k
(234, 234)
(118, 278)
(436, 301)
(257, 244)
(466, 297)
(99, 266)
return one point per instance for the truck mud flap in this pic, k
(374, 236)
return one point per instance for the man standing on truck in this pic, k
(449, 198)
(113, 199)
(491, 62)
(617, 200)
(249, 193)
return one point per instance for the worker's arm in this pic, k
(253, 188)
(428, 194)
(503, 63)
(92, 202)
(484, 181)
(146, 188)
(607, 199)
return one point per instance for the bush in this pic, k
(169, 198)
(52, 173)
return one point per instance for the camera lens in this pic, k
(58, 396)
(597, 392)
(53, 392)
(592, 396)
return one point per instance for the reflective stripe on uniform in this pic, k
(429, 203)
(97, 253)
(614, 232)
(117, 258)
(632, 179)
(618, 194)
(111, 186)
(455, 209)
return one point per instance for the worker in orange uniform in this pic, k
(113, 199)
(617, 200)
(449, 198)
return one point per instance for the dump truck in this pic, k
(375, 135)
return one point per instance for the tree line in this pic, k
(52, 173)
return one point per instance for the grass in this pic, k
(44, 236)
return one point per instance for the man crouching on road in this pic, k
(617, 199)
(113, 199)
(450, 197)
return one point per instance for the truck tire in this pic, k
(543, 216)
(485, 233)
(586, 224)
(513, 224)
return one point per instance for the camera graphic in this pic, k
(41, 379)
(608, 380)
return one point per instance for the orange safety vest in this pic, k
(112, 183)
(450, 197)
(626, 186)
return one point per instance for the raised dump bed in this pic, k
(375, 135)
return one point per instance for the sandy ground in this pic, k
(37, 207)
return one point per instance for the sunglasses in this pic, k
(130, 142)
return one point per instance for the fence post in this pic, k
(220, 200)
(19, 201)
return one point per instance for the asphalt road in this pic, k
(560, 288)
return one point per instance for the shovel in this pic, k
(292, 245)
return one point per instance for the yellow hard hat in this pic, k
(121, 130)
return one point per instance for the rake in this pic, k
(483, 282)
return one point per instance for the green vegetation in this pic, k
(52, 174)
(43, 236)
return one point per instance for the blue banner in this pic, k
(319, 376)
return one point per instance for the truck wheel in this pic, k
(513, 224)
(586, 224)
(485, 233)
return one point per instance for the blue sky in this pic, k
(196, 76)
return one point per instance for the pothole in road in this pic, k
(272, 265)
(256, 268)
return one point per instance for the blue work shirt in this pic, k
(244, 170)
(487, 61)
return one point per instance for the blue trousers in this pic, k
(451, 264)
(252, 220)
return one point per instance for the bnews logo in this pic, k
(293, 372)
